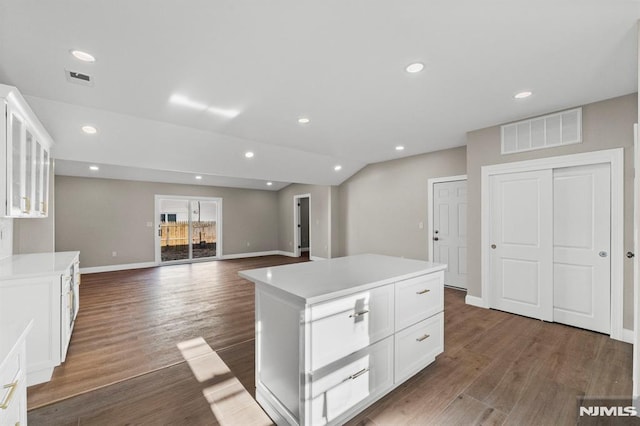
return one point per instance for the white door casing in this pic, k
(521, 243)
(581, 240)
(450, 230)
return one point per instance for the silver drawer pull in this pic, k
(358, 314)
(358, 374)
(420, 339)
(12, 389)
(426, 290)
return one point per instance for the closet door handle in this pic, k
(358, 314)
(426, 290)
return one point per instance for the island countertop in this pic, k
(322, 280)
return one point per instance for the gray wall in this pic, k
(605, 125)
(319, 218)
(381, 206)
(99, 216)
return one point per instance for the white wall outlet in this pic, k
(114, 253)
(248, 244)
(420, 225)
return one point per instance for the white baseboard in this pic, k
(126, 266)
(285, 253)
(627, 335)
(317, 258)
(111, 268)
(475, 301)
(252, 254)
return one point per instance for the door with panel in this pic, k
(450, 230)
(581, 245)
(521, 251)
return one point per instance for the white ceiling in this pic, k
(338, 62)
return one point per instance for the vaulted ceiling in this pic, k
(187, 87)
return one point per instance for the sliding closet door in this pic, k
(521, 243)
(582, 239)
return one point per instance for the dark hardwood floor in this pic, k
(123, 366)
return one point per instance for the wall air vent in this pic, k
(78, 78)
(562, 128)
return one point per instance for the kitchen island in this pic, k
(334, 336)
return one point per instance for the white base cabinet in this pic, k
(334, 336)
(42, 287)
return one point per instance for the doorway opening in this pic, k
(188, 229)
(301, 221)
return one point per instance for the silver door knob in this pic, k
(493, 246)
(603, 254)
(630, 254)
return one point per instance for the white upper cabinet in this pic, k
(24, 162)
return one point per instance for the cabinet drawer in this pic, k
(14, 380)
(10, 372)
(419, 298)
(417, 346)
(358, 377)
(345, 325)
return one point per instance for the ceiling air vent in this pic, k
(78, 78)
(562, 128)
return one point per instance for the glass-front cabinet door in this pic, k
(27, 169)
(15, 166)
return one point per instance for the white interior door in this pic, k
(581, 246)
(521, 252)
(450, 230)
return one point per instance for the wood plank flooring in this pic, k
(130, 321)
(123, 365)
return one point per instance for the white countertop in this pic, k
(10, 335)
(322, 280)
(35, 265)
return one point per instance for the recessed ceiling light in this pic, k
(248, 154)
(228, 113)
(90, 130)
(337, 168)
(522, 95)
(83, 56)
(399, 148)
(184, 101)
(415, 67)
(303, 120)
(94, 168)
(198, 177)
(269, 183)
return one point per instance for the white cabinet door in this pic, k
(521, 274)
(16, 197)
(450, 230)
(581, 241)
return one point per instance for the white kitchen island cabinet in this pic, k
(43, 287)
(334, 336)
